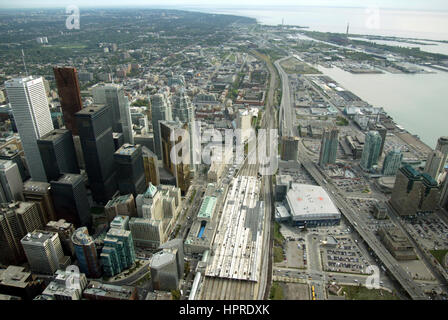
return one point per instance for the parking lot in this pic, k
(365, 209)
(344, 257)
(357, 185)
(430, 231)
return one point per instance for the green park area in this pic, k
(363, 293)
(276, 291)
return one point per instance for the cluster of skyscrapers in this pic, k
(46, 220)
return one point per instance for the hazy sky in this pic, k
(403, 4)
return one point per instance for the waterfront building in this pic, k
(414, 192)
(329, 147)
(392, 162)
(371, 151)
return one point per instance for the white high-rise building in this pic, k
(183, 110)
(434, 164)
(112, 94)
(160, 110)
(43, 251)
(32, 117)
(11, 182)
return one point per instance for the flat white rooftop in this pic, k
(309, 202)
(237, 248)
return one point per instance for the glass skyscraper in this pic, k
(371, 151)
(392, 162)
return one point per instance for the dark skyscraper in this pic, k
(70, 199)
(130, 169)
(58, 153)
(69, 95)
(95, 132)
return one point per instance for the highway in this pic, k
(414, 291)
(286, 115)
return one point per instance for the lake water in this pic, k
(368, 20)
(416, 101)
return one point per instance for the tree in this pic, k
(175, 294)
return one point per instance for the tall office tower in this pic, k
(118, 252)
(244, 123)
(160, 110)
(14, 154)
(43, 251)
(39, 192)
(32, 115)
(70, 199)
(164, 271)
(151, 168)
(392, 162)
(113, 95)
(178, 166)
(125, 119)
(118, 139)
(183, 110)
(371, 151)
(383, 133)
(120, 206)
(79, 154)
(86, 254)
(442, 146)
(130, 170)
(16, 219)
(434, 164)
(289, 148)
(58, 153)
(69, 95)
(414, 192)
(444, 195)
(98, 148)
(329, 147)
(10, 182)
(65, 231)
(176, 246)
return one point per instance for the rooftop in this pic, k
(162, 258)
(54, 134)
(127, 149)
(309, 201)
(207, 207)
(68, 178)
(81, 237)
(109, 290)
(14, 276)
(38, 236)
(36, 186)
